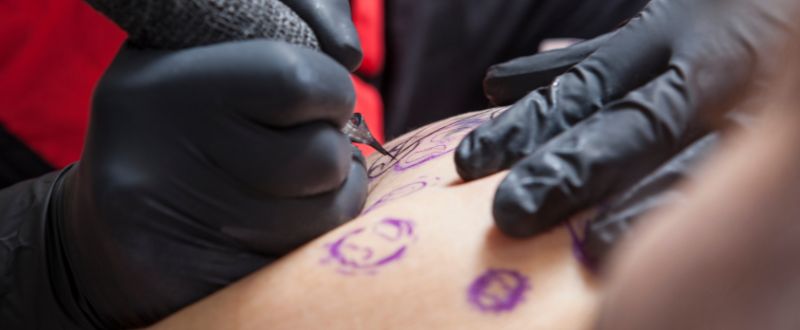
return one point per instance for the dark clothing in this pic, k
(17, 161)
(31, 273)
(438, 51)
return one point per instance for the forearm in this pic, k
(428, 286)
(728, 257)
(352, 277)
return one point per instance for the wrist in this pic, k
(60, 263)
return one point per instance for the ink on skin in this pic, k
(578, 238)
(440, 144)
(435, 141)
(365, 250)
(498, 290)
(398, 193)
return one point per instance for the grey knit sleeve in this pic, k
(173, 24)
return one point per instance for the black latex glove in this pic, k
(174, 24)
(637, 97)
(201, 166)
(657, 190)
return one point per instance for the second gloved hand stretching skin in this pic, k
(657, 190)
(642, 95)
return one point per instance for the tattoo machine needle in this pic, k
(356, 129)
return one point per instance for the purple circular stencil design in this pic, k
(364, 250)
(498, 290)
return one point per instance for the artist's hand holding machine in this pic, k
(647, 94)
(202, 164)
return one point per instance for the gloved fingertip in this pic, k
(470, 159)
(514, 209)
(346, 51)
(494, 91)
(463, 157)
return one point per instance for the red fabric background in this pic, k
(369, 21)
(54, 51)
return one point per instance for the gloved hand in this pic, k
(635, 98)
(201, 166)
(657, 190)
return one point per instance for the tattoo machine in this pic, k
(356, 129)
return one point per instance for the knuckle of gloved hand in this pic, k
(346, 50)
(316, 87)
(325, 161)
(117, 188)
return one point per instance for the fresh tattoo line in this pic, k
(434, 143)
(367, 249)
(498, 290)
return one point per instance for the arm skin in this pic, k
(737, 265)
(454, 241)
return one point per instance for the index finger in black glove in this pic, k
(507, 82)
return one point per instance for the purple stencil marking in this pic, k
(442, 138)
(498, 290)
(366, 249)
(579, 239)
(398, 192)
(442, 143)
(394, 230)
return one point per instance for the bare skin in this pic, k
(725, 259)
(453, 242)
(729, 258)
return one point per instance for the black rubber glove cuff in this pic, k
(36, 290)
